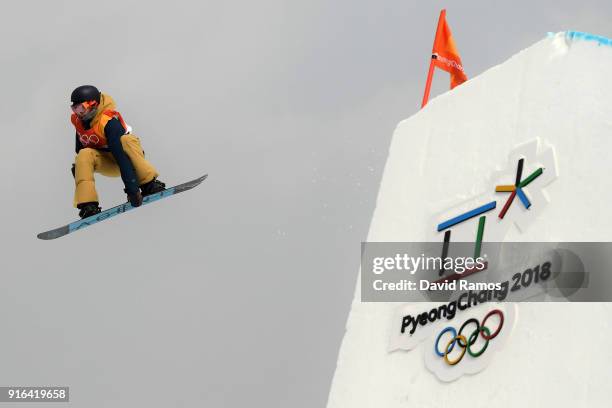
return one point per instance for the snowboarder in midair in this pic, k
(105, 144)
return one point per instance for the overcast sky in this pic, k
(235, 293)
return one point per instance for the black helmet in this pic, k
(85, 93)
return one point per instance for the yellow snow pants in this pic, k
(90, 160)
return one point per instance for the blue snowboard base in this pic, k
(120, 209)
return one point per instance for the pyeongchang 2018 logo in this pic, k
(517, 197)
(458, 338)
(469, 345)
(462, 336)
(467, 342)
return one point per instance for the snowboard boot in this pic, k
(135, 198)
(152, 187)
(89, 209)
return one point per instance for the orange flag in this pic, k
(445, 55)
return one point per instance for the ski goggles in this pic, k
(83, 107)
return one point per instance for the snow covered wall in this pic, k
(549, 104)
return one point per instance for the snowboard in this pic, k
(119, 209)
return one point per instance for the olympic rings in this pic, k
(448, 329)
(468, 321)
(501, 323)
(473, 338)
(452, 342)
(466, 343)
(89, 139)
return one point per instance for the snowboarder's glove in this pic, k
(73, 171)
(88, 209)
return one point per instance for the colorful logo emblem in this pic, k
(466, 343)
(544, 169)
(450, 352)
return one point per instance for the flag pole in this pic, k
(431, 63)
(428, 84)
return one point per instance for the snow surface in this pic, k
(555, 93)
